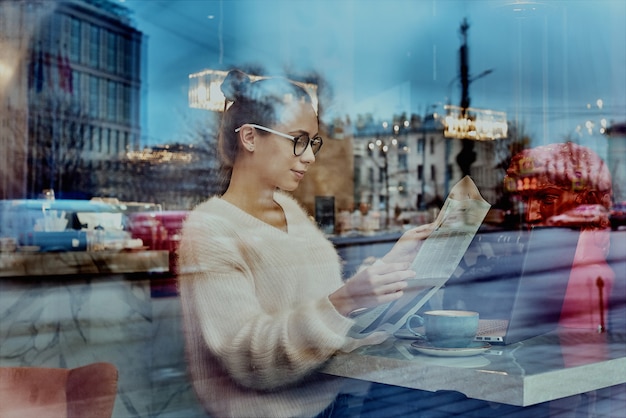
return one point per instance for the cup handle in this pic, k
(408, 325)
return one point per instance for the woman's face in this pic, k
(547, 202)
(277, 164)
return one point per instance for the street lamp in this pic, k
(470, 81)
(468, 124)
(422, 202)
(384, 147)
(205, 92)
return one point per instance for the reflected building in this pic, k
(410, 165)
(178, 176)
(78, 87)
(617, 150)
(406, 164)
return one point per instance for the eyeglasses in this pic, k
(300, 142)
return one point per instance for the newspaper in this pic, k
(437, 259)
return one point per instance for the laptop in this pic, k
(530, 304)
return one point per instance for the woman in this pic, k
(263, 300)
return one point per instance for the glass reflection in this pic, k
(108, 103)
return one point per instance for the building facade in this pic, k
(406, 166)
(409, 166)
(616, 134)
(81, 81)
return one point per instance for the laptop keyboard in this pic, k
(492, 326)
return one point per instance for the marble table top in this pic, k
(552, 366)
(82, 262)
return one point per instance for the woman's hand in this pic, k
(405, 250)
(372, 286)
(385, 281)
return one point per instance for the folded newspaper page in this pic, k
(455, 227)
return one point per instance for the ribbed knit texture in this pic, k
(257, 318)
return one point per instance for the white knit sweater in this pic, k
(258, 321)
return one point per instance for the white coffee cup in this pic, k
(446, 328)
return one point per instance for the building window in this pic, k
(97, 140)
(102, 50)
(120, 115)
(432, 146)
(94, 96)
(111, 100)
(102, 111)
(85, 32)
(115, 142)
(433, 172)
(111, 50)
(120, 142)
(403, 188)
(106, 141)
(94, 46)
(420, 172)
(403, 164)
(134, 59)
(88, 138)
(65, 34)
(81, 83)
(122, 52)
(75, 40)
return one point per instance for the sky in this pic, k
(554, 65)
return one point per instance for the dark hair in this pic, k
(260, 102)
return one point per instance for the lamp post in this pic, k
(470, 81)
(422, 203)
(383, 150)
(467, 156)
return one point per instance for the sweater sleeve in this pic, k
(259, 348)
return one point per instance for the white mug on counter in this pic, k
(445, 328)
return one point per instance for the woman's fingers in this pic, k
(409, 243)
(373, 286)
(372, 301)
(423, 231)
(390, 288)
(380, 279)
(383, 269)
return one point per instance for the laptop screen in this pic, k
(520, 277)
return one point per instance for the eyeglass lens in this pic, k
(302, 142)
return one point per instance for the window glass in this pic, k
(110, 119)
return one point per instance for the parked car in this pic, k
(582, 216)
(617, 215)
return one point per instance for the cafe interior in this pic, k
(500, 122)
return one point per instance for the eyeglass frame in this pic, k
(291, 137)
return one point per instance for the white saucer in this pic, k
(405, 334)
(473, 349)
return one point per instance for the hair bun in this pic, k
(235, 85)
